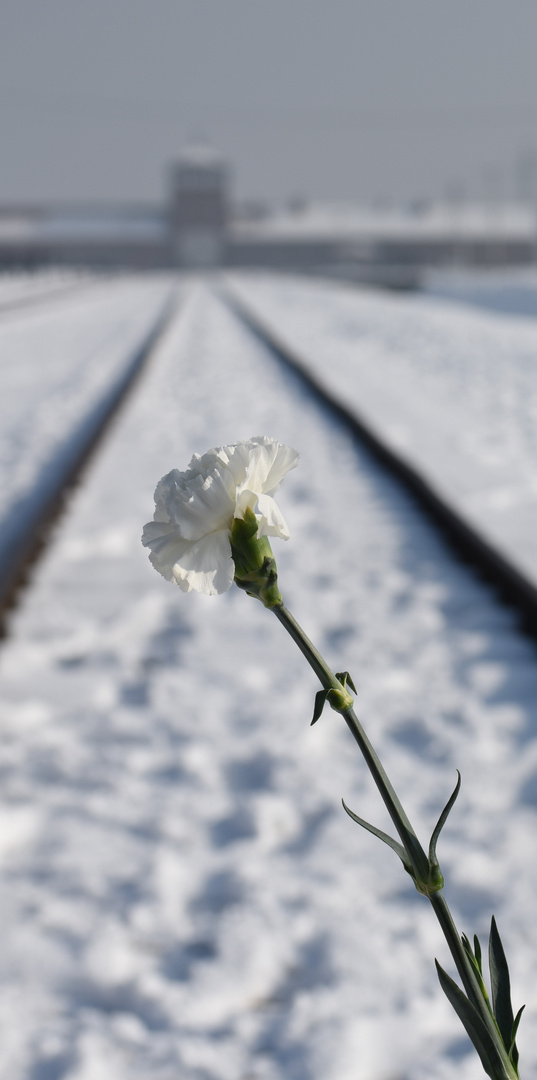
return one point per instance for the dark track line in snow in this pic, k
(513, 586)
(26, 529)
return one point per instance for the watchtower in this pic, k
(199, 207)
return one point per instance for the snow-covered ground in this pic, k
(59, 364)
(21, 285)
(451, 390)
(504, 291)
(182, 896)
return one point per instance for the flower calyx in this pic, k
(255, 565)
(338, 697)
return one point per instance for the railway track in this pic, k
(28, 523)
(511, 584)
(184, 812)
(25, 531)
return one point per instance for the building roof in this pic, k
(200, 155)
(82, 225)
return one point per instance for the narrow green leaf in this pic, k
(476, 965)
(320, 701)
(344, 678)
(477, 953)
(442, 821)
(500, 985)
(393, 844)
(469, 952)
(513, 1052)
(491, 1059)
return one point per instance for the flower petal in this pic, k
(268, 463)
(203, 565)
(198, 503)
(270, 518)
(167, 546)
(206, 565)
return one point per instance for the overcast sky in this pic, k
(344, 99)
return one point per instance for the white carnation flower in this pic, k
(189, 537)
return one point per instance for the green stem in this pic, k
(469, 980)
(458, 951)
(413, 848)
(328, 680)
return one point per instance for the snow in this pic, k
(21, 286)
(60, 364)
(182, 894)
(510, 292)
(450, 390)
(442, 221)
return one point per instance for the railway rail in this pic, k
(512, 585)
(27, 525)
(25, 531)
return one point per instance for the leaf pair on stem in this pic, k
(500, 1010)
